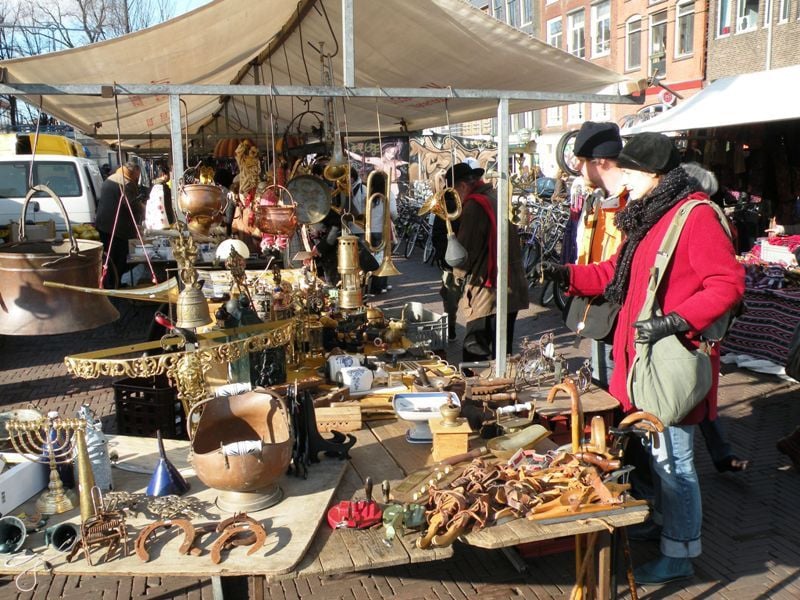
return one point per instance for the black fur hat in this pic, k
(597, 140)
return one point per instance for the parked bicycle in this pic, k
(542, 236)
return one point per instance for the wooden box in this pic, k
(449, 441)
(339, 416)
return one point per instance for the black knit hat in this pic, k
(462, 171)
(597, 140)
(650, 152)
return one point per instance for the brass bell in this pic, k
(192, 309)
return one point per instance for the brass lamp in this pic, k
(350, 294)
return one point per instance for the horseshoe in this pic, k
(225, 540)
(641, 417)
(144, 536)
(237, 519)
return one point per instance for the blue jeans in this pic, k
(677, 492)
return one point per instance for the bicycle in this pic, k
(541, 238)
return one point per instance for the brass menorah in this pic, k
(52, 437)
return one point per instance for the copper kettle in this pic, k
(27, 306)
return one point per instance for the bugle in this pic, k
(387, 267)
(455, 254)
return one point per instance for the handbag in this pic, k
(666, 378)
(591, 316)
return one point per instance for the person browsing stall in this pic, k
(477, 233)
(600, 190)
(118, 212)
(703, 281)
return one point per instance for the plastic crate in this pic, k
(145, 405)
(421, 324)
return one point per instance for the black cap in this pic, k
(462, 171)
(650, 152)
(597, 140)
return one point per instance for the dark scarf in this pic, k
(636, 219)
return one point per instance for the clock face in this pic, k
(312, 196)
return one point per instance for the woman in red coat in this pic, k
(702, 283)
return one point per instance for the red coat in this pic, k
(703, 281)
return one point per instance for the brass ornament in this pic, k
(191, 308)
(186, 369)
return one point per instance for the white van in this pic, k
(74, 179)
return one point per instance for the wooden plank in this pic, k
(417, 555)
(370, 457)
(368, 550)
(521, 531)
(392, 435)
(334, 557)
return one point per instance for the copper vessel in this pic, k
(204, 205)
(241, 447)
(277, 219)
(27, 307)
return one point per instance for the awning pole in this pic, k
(502, 238)
(177, 149)
(348, 52)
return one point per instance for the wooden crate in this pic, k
(339, 416)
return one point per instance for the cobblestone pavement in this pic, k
(751, 527)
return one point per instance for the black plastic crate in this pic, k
(146, 404)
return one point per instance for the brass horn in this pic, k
(455, 255)
(387, 267)
(338, 170)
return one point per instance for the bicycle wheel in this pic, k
(547, 295)
(530, 258)
(564, 157)
(560, 297)
(427, 251)
(411, 241)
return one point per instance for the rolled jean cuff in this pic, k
(680, 549)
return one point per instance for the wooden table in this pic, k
(307, 547)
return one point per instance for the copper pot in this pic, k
(277, 219)
(255, 417)
(27, 306)
(200, 200)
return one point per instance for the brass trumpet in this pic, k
(455, 255)
(338, 170)
(387, 267)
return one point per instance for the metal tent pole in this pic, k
(177, 149)
(501, 291)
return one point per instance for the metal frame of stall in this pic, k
(349, 90)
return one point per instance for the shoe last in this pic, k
(663, 570)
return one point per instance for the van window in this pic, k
(61, 177)
(95, 193)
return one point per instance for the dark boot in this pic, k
(790, 446)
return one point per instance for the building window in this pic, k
(684, 28)
(576, 26)
(512, 13)
(658, 44)
(601, 112)
(553, 116)
(783, 16)
(575, 113)
(527, 11)
(554, 32)
(601, 28)
(724, 18)
(499, 10)
(633, 43)
(746, 15)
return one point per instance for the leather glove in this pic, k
(553, 272)
(655, 328)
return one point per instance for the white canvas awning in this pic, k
(748, 98)
(432, 44)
